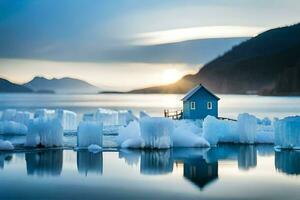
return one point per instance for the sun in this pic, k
(170, 75)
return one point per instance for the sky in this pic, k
(128, 44)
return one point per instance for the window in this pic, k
(209, 105)
(193, 105)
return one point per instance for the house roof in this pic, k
(195, 89)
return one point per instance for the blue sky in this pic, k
(112, 37)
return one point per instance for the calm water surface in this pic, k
(225, 172)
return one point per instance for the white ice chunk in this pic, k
(6, 145)
(68, 119)
(287, 132)
(94, 148)
(44, 113)
(11, 127)
(9, 115)
(134, 143)
(47, 132)
(125, 116)
(265, 134)
(187, 134)
(89, 133)
(247, 125)
(143, 114)
(131, 131)
(156, 132)
(106, 117)
(212, 129)
(23, 117)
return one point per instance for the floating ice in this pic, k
(156, 132)
(143, 114)
(287, 132)
(187, 134)
(134, 143)
(68, 119)
(89, 133)
(125, 116)
(9, 115)
(131, 131)
(264, 134)
(107, 117)
(44, 131)
(11, 127)
(23, 117)
(88, 117)
(6, 145)
(44, 113)
(247, 125)
(212, 129)
(94, 148)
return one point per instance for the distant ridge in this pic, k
(9, 87)
(62, 85)
(267, 64)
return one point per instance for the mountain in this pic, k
(63, 85)
(267, 64)
(7, 86)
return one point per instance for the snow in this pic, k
(287, 133)
(9, 115)
(94, 148)
(11, 127)
(44, 131)
(68, 119)
(6, 145)
(156, 132)
(89, 133)
(107, 117)
(247, 125)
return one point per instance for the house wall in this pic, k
(201, 97)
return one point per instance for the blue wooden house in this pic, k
(199, 103)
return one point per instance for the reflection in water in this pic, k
(131, 157)
(199, 172)
(288, 162)
(5, 158)
(156, 162)
(88, 162)
(247, 157)
(48, 162)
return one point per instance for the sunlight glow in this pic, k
(192, 33)
(171, 75)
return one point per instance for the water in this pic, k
(225, 172)
(229, 105)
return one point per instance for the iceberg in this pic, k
(106, 117)
(187, 134)
(44, 131)
(89, 133)
(143, 114)
(9, 115)
(6, 145)
(23, 117)
(246, 127)
(131, 131)
(133, 143)
(156, 132)
(11, 127)
(68, 119)
(125, 117)
(44, 113)
(88, 117)
(94, 148)
(287, 133)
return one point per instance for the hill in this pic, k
(267, 64)
(9, 87)
(63, 85)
